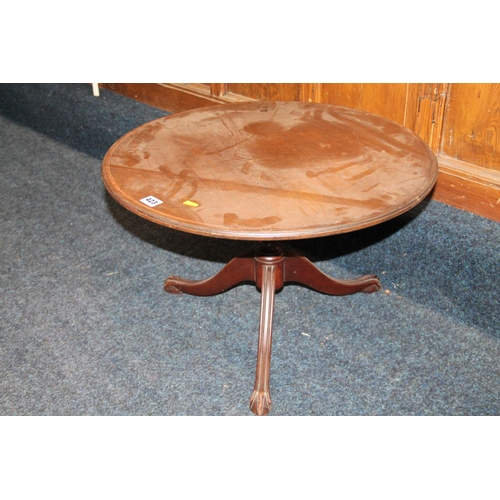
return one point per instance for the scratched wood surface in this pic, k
(270, 170)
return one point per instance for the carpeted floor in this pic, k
(86, 328)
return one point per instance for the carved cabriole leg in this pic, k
(301, 270)
(269, 274)
(238, 270)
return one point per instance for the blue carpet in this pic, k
(86, 328)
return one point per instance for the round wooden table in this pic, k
(269, 172)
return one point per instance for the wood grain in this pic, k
(389, 100)
(311, 92)
(267, 91)
(468, 187)
(429, 120)
(472, 125)
(218, 89)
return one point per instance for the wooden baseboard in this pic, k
(468, 187)
(461, 185)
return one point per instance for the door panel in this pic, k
(472, 124)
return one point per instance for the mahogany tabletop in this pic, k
(274, 170)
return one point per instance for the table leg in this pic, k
(238, 270)
(299, 269)
(270, 268)
(269, 278)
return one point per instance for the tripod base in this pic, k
(270, 268)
